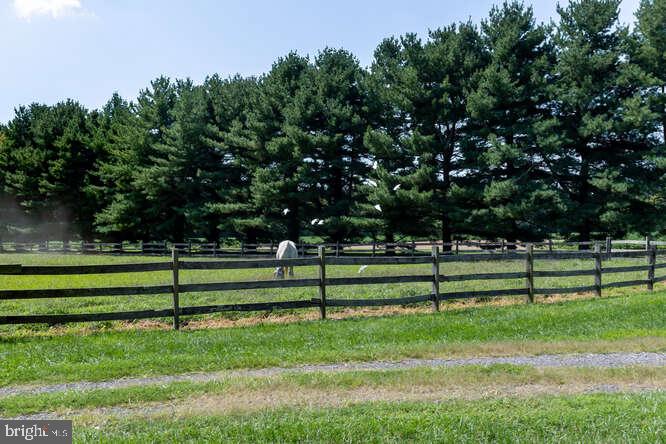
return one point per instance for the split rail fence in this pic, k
(372, 249)
(322, 282)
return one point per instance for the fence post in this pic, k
(457, 245)
(413, 247)
(337, 249)
(652, 260)
(550, 245)
(176, 306)
(647, 243)
(272, 246)
(435, 278)
(529, 272)
(374, 246)
(609, 248)
(597, 270)
(322, 281)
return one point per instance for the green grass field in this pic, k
(109, 353)
(575, 419)
(497, 403)
(126, 303)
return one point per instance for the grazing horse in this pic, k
(286, 250)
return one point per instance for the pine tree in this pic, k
(134, 142)
(326, 121)
(392, 183)
(51, 164)
(596, 144)
(650, 54)
(9, 211)
(514, 198)
(118, 135)
(228, 208)
(278, 203)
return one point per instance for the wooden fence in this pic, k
(322, 282)
(412, 248)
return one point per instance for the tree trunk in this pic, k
(251, 241)
(447, 233)
(583, 227)
(294, 227)
(213, 229)
(584, 236)
(178, 234)
(390, 238)
(663, 114)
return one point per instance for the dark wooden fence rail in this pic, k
(373, 249)
(435, 277)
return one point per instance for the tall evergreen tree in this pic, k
(326, 120)
(8, 206)
(595, 145)
(229, 209)
(514, 198)
(392, 182)
(177, 181)
(651, 54)
(650, 33)
(51, 166)
(278, 202)
(116, 135)
(134, 146)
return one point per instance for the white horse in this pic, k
(286, 250)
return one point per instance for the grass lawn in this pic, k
(497, 403)
(637, 321)
(126, 303)
(582, 418)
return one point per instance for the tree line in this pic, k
(508, 129)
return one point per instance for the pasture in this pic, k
(484, 403)
(229, 403)
(387, 291)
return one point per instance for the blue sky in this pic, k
(87, 49)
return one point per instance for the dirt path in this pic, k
(256, 400)
(605, 360)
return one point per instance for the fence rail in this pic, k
(412, 248)
(529, 290)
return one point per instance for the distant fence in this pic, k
(372, 249)
(322, 282)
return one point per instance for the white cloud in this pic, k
(26, 9)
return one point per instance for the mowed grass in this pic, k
(582, 418)
(469, 403)
(569, 326)
(127, 303)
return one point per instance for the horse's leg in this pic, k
(291, 271)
